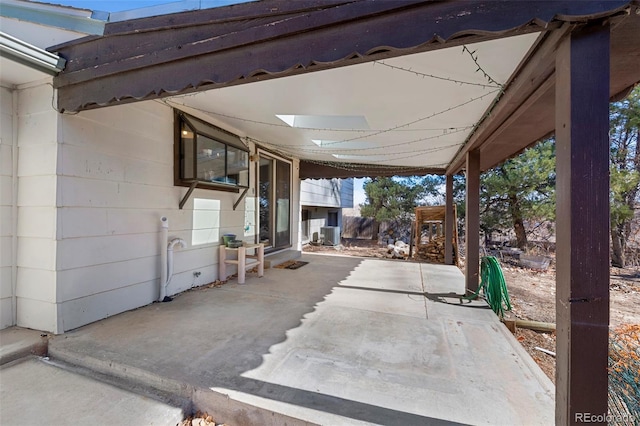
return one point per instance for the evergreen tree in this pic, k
(519, 190)
(625, 171)
(390, 198)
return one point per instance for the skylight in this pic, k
(347, 157)
(327, 122)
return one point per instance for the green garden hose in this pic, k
(494, 286)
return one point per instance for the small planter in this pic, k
(227, 238)
(235, 243)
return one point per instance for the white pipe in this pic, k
(170, 247)
(14, 209)
(164, 232)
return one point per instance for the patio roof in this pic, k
(340, 85)
(402, 87)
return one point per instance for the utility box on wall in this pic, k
(331, 235)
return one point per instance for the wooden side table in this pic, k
(243, 261)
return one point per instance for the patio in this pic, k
(340, 341)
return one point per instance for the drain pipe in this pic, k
(170, 246)
(164, 233)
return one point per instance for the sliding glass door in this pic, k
(274, 183)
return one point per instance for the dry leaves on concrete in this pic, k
(200, 419)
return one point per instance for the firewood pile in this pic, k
(431, 251)
(429, 234)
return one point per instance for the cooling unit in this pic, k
(331, 235)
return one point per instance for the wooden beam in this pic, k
(525, 113)
(472, 222)
(150, 58)
(582, 280)
(313, 170)
(529, 81)
(448, 221)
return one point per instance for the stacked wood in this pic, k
(432, 251)
(429, 239)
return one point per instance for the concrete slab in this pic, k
(339, 341)
(17, 342)
(36, 392)
(272, 260)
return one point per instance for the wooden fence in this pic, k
(364, 228)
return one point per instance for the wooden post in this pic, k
(472, 222)
(222, 266)
(242, 264)
(448, 222)
(582, 279)
(260, 254)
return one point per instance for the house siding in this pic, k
(320, 192)
(346, 194)
(6, 207)
(37, 137)
(321, 197)
(91, 190)
(115, 182)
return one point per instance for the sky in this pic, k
(358, 191)
(119, 5)
(122, 5)
(108, 5)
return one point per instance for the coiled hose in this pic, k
(494, 286)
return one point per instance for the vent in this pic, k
(331, 235)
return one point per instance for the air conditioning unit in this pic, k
(331, 235)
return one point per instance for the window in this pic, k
(209, 155)
(332, 219)
(305, 224)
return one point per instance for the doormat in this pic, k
(296, 265)
(291, 264)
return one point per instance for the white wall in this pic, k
(116, 181)
(37, 199)
(320, 192)
(317, 219)
(6, 207)
(327, 193)
(321, 196)
(92, 189)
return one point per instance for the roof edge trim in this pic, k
(66, 18)
(30, 55)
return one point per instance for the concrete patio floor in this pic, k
(341, 340)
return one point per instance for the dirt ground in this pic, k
(532, 295)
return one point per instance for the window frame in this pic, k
(262, 152)
(212, 132)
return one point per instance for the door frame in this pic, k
(262, 153)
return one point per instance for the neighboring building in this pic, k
(322, 202)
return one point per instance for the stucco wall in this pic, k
(6, 207)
